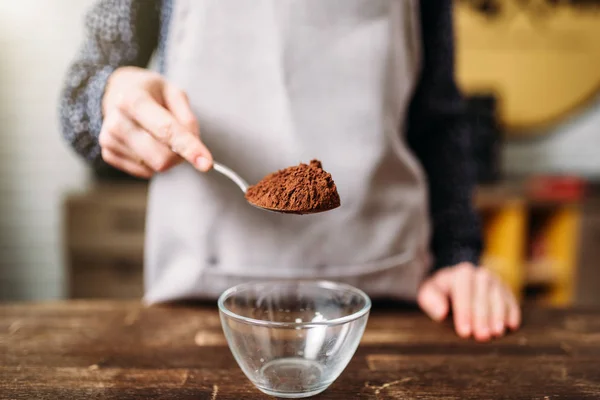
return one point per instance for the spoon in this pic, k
(243, 185)
(231, 174)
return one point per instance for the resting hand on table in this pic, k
(148, 125)
(482, 306)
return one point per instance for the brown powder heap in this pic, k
(302, 189)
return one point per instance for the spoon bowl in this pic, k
(295, 212)
(243, 185)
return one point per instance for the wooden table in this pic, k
(119, 350)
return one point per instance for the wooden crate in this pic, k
(588, 279)
(105, 241)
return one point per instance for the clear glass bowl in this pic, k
(292, 339)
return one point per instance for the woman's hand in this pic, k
(148, 125)
(482, 305)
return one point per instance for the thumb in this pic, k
(433, 301)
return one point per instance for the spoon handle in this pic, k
(228, 172)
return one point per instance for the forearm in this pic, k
(81, 110)
(441, 139)
(118, 33)
(450, 175)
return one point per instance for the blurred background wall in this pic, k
(63, 232)
(540, 58)
(572, 147)
(37, 40)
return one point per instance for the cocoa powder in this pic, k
(301, 189)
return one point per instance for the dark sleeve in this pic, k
(118, 33)
(441, 139)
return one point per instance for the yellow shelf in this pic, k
(506, 216)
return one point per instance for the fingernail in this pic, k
(437, 313)
(464, 330)
(203, 164)
(483, 336)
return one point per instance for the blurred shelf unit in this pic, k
(533, 237)
(531, 240)
(105, 241)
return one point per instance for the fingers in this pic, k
(126, 164)
(513, 317)
(505, 311)
(122, 136)
(110, 141)
(178, 103)
(154, 154)
(462, 293)
(164, 127)
(433, 300)
(481, 305)
(498, 308)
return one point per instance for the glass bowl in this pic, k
(292, 339)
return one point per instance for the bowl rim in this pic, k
(318, 283)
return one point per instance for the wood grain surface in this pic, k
(121, 350)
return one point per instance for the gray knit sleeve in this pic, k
(118, 33)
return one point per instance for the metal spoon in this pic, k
(231, 174)
(243, 185)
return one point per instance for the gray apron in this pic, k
(278, 82)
